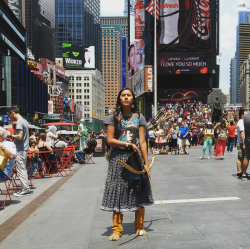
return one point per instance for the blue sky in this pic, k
(228, 23)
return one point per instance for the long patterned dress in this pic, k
(117, 196)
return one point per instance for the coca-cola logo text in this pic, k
(166, 5)
(201, 27)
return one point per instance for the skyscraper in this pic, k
(243, 13)
(40, 27)
(233, 81)
(111, 62)
(125, 7)
(78, 23)
(119, 20)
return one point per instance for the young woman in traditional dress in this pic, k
(118, 196)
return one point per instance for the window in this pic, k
(72, 84)
(78, 96)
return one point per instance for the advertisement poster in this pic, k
(99, 144)
(184, 63)
(185, 23)
(182, 96)
(136, 57)
(78, 112)
(78, 56)
(138, 83)
(137, 20)
(50, 107)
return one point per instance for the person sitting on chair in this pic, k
(9, 151)
(81, 153)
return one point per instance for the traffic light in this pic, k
(93, 113)
(36, 116)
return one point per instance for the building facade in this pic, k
(87, 89)
(40, 27)
(243, 13)
(116, 20)
(78, 23)
(19, 86)
(111, 63)
(233, 81)
(244, 83)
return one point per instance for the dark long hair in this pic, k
(118, 109)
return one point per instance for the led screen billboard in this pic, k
(76, 56)
(184, 63)
(182, 96)
(136, 57)
(184, 24)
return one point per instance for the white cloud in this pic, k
(112, 7)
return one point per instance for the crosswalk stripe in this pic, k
(198, 200)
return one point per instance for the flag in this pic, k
(150, 9)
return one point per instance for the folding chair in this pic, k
(88, 157)
(8, 191)
(59, 161)
(44, 155)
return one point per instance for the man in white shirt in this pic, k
(242, 162)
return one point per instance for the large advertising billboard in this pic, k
(184, 63)
(184, 23)
(142, 81)
(182, 96)
(136, 57)
(16, 7)
(76, 56)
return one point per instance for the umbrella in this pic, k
(59, 124)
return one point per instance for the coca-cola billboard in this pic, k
(137, 20)
(184, 63)
(185, 24)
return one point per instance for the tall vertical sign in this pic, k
(16, 7)
(124, 61)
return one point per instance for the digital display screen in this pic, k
(184, 24)
(184, 63)
(182, 96)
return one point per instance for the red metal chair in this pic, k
(47, 164)
(59, 161)
(8, 191)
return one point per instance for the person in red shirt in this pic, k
(231, 135)
(12, 131)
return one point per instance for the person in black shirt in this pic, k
(80, 154)
(91, 143)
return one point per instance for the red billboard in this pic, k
(184, 24)
(184, 63)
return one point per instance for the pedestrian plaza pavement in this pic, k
(71, 217)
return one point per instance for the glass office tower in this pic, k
(125, 7)
(40, 27)
(78, 23)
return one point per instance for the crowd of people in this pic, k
(22, 148)
(191, 125)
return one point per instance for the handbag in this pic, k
(134, 181)
(3, 160)
(107, 154)
(222, 136)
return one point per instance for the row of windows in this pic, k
(79, 84)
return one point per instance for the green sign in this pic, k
(47, 117)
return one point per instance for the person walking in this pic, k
(21, 140)
(173, 132)
(247, 146)
(242, 161)
(208, 133)
(125, 132)
(231, 136)
(222, 132)
(152, 136)
(184, 137)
